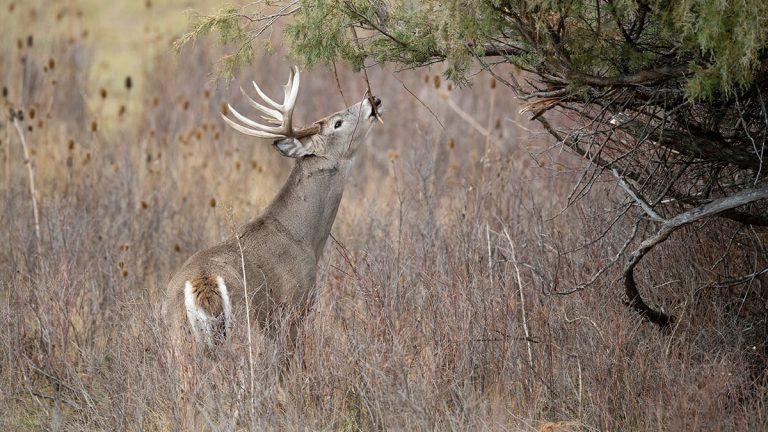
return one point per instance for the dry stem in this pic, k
(522, 298)
(31, 174)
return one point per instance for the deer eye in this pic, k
(337, 124)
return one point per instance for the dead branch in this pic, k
(641, 77)
(633, 298)
(368, 92)
(522, 297)
(30, 173)
(635, 196)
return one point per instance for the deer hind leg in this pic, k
(206, 300)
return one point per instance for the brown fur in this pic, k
(207, 296)
(275, 256)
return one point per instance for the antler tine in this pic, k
(265, 97)
(258, 126)
(278, 115)
(248, 131)
(271, 120)
(275, 114)
(291, 90)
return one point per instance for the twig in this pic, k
(634, 300)
(52, 378)
(247, 300)
(490, 256)
(522, 298)
(354, 10)
(56, 399)
(639, 200)
(31, 174)
(280, 13)
(368, 93)
(420, 101)
(357, 120)
(605, 267)
(641, 77)
(338, 84)
(491, 114)
(464, 115)
(7, 162)
(739, 281)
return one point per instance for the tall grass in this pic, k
(435, 304)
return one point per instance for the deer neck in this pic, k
(308, 201)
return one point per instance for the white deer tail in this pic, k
(208, 310)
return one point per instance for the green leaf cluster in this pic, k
(320, 33)
(723, 42)
(228, 24)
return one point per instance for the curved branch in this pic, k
(634, 300)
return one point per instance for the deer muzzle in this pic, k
(376, 108)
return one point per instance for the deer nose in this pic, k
(376, 101)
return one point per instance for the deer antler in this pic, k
(279, 115)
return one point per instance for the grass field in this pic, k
(436, 304)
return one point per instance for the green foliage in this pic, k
(722, 41)
(228, 24)
(320, 33)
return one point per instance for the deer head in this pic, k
(336, 137)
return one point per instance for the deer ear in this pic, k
(293, 147)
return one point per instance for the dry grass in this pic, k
(418, 323)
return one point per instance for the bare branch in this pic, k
(634, 299)
(522, 297)
(637, 78)
(31, 175)
(420, 101)
(635, 196)
(742, 280)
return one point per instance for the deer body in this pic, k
(276, 254)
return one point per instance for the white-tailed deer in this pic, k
(275, 254)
